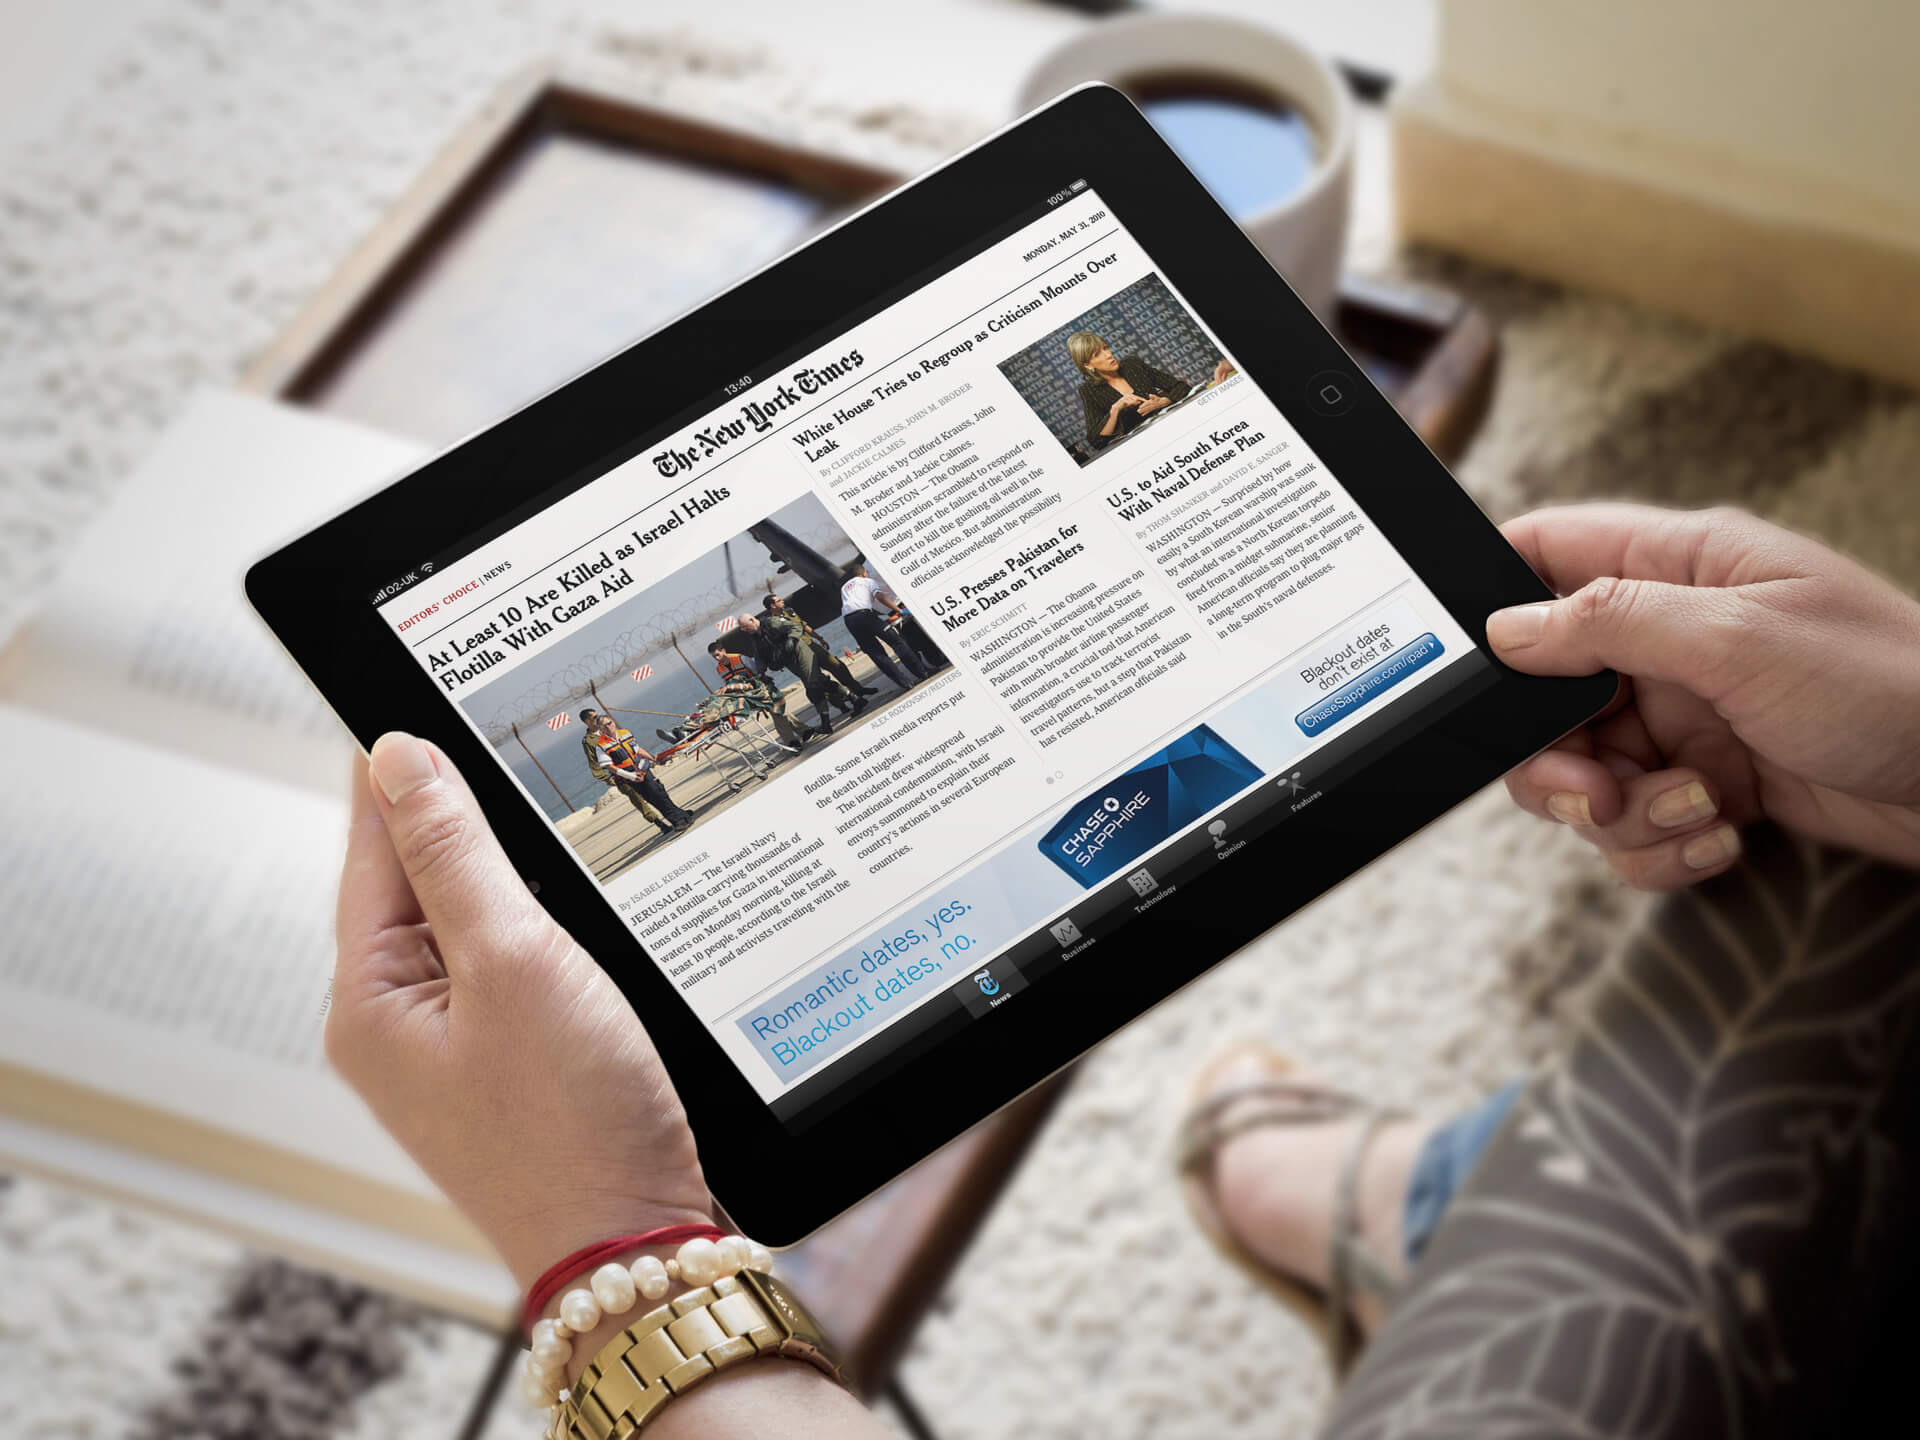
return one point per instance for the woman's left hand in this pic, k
(1222, 371)
(491, 1045)
(1153, 403)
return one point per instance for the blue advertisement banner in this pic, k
(1115, 825)
(1370, 686)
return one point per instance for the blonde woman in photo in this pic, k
(1119, 392)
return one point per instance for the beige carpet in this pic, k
(222, 168)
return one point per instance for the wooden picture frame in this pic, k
(399, 257)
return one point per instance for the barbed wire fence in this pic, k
(649, 637)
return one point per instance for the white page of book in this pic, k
(147, 633)
(169, 937)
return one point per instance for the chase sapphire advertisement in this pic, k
(1133, 813)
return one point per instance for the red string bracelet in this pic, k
(581, 1261)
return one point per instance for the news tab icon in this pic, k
(1064, 930)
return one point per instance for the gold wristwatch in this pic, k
(675, 1347)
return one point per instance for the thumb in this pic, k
(468, 891)
(1680, 633)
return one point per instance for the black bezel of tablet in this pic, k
(778, 1184)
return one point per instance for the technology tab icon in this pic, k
(1143, 882)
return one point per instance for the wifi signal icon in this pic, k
(427, 569)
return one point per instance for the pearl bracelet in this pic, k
(614, 1289)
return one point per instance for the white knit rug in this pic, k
(211, 180)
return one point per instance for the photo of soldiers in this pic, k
(780, 643)
(835, 666)
(615, 758)
(738, 656)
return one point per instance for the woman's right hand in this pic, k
(1769, 677)
(1125, 402)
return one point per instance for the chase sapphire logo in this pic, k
(1110, 828)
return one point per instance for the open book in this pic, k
(170, 840)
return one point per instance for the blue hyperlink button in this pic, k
(1373, 683)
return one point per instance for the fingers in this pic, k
(383, 949)
(1650, 629)
(374, 894)
(465, 887)
(1570, 546)
(1569, 785)
(1660, 830)
(1622, 740)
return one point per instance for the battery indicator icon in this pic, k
(1078, 186)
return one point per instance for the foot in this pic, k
(866, 689)
(1275, 1185)
(858, 706)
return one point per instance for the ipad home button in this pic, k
(1332, 392)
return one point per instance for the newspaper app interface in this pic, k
(921, 661)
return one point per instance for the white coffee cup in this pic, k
(1304, 233)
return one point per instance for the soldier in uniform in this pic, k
(757, 694)
(615, 758)
(780, 643)
(835, 666)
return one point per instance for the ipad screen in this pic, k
(934, 651)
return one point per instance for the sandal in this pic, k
(1352, 1268)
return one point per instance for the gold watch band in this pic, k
(675, 1347)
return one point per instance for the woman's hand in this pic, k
(491, 1046)
(1222, 371)
(1125, 402)
(1768, 677)
(1153, 403)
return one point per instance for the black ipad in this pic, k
(991, 616)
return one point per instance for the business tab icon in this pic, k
(1110, 828)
